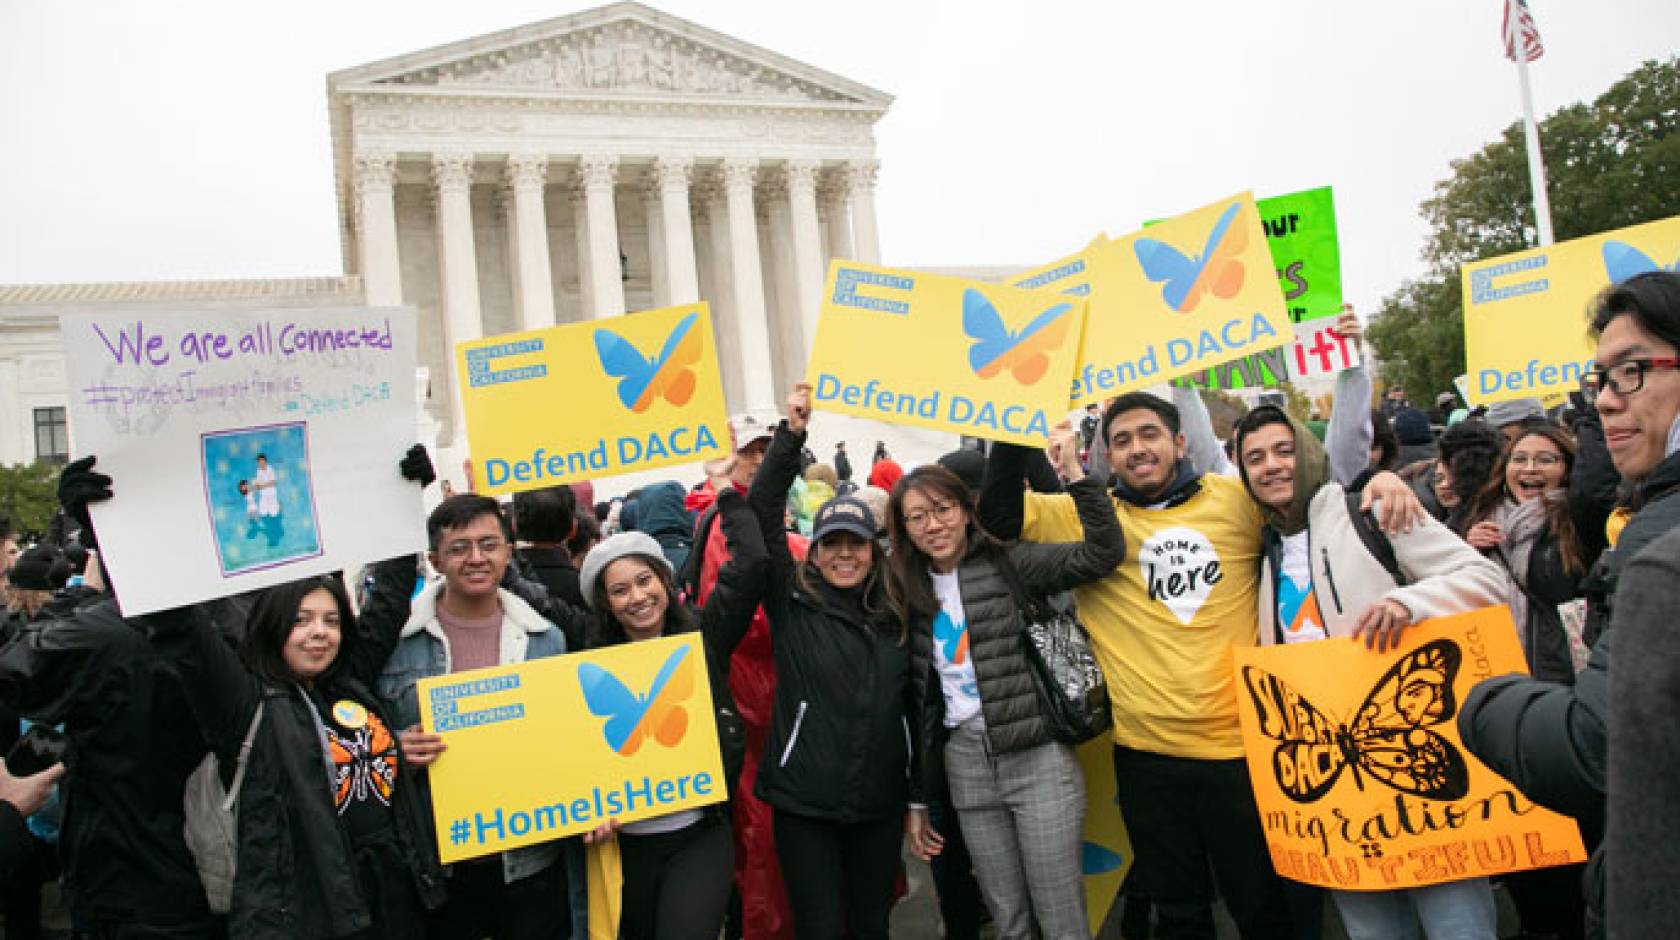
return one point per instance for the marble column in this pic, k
(725, 316)
(452, 174)
(533, 288)
(599, 173)
(866, 236)
(786, 324)
(801, 178)
(580, 226)
(16, 442)
(671, 176)
(655, 244)
(376, 229)
(838, 226)
(747, 282)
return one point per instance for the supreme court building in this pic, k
(611, 160)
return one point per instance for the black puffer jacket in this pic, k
(1549, 739)
(133, 743)
(839, 743)
(296, 875)
(1008, 700)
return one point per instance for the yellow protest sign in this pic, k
(945, 353)
(1196, 290)
(1358, 770)
(1105, 855)
(1525, 314)
(588, 400)
(557, 746)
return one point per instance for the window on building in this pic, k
(52, 435)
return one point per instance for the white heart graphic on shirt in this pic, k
(1180, 569)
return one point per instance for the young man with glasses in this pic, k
(1550, 739)
(465, 621)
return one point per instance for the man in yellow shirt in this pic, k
(1163, 626)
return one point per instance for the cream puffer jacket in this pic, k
(1444, 574)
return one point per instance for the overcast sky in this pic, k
(180, 139)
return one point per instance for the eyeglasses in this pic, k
(462, 548)
(1539, 460)
(916, 521)
(1624, 378)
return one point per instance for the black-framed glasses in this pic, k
(1539, 460)
(1623, 378)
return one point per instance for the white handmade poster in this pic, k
(247, 447)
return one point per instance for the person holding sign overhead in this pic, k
(834, 766)
(341, 855)
(1019, 794)
(1162, 628)
(677, 868)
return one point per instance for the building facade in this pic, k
(611, 160)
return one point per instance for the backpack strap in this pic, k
(1375, 542)
(242, 760)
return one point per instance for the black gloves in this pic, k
(416, 465)
(78, 486)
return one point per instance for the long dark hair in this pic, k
(603, 628)
(909, 587)
(271, 621)
(1558, 519)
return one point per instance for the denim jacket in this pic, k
(423, 652)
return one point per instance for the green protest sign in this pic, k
(1301, 233)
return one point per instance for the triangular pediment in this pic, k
(623, 49)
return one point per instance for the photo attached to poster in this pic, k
(261, 499)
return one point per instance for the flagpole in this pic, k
(1536, 166)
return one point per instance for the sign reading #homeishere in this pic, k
(554, 747)
(1360, 776)
(588, 400)
(1525, 314)
(967, 357)
(1197, 290)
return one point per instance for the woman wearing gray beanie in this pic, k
(677, 867)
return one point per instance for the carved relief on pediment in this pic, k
(621, 57)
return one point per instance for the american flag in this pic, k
(1521, 31)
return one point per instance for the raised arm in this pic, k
(382, 618)
(1348, 439)
(1054, 567)
(768, 495)
(1207, 454)
(740, 583)
(1003, 491)
(220, 690)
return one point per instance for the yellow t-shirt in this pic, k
(1164, 623)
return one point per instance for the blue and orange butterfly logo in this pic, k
(1026, 354)
(641, 381)
(1622, 261)
(632, 718)
(952, 638)
(1216, 270)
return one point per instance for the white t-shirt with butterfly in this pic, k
(951, 653)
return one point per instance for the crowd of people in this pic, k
(254, 766)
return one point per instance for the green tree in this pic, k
(1610, 164)
(29, 497)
